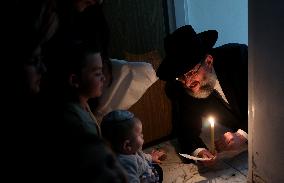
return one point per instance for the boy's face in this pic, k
(137, 138)
(92, 77)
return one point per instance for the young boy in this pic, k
(83, 80)
(124, 133)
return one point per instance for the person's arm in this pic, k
(187, 117)
(131, 167)
(190, 129)
(187, 122)
(189, 125)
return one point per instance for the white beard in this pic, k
(206, 86)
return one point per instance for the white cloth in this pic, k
(130, 82)
(243, 133)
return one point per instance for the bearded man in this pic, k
(198, 88)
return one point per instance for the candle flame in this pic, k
(211, 121)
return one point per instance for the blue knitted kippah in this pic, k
(118, 115)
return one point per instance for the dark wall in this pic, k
(137, 26)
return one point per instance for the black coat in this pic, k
(230, 64)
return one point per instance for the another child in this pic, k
(124, 133)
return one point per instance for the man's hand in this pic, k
(158, 155)
(206, 154)
(230, 141)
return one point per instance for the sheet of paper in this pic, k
(220, 155)
(193, 157)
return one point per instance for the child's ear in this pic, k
(73, 80)
(127, 146)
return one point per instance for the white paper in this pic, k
(220, 155)
(193, 157)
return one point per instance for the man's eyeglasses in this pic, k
(190, 73)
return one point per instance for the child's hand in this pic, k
(158, 155)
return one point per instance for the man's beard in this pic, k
(206, 86)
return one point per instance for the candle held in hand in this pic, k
(212, 148)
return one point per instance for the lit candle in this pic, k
(212, 148)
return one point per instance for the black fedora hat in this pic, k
(184, 49)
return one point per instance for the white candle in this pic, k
(212, 148)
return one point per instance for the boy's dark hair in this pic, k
(75, 55)
(117, 127)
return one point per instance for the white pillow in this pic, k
(130, 82)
